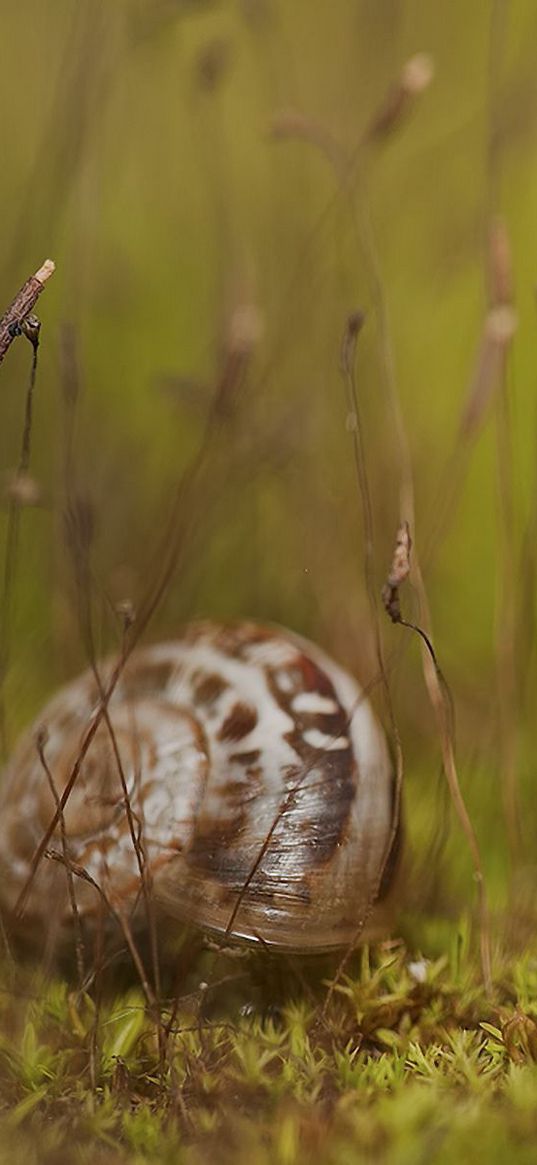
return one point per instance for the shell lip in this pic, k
(245, 941)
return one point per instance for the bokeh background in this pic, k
(187, 167)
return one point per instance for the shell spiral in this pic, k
(259, 780)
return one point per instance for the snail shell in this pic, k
(259, 780)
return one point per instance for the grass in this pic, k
(411, 1062)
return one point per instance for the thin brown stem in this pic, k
(79, 548)
(117, 913)
(500, 287)
(348, 368)
(79, 943)
(12, 537)
(181, 517)
(441, 701)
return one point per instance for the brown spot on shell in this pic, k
(241, 721)
(208, 688)
(67, 720)
(334, 770)
(143, 678)
(215, 851)
(215, 848)
(236, 638)
(245, 758)
(232, 639)
(233, 790)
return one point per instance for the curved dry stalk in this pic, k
(29, 326)
(79, 941)
(498, 259)
(440, 698)
(435, 684)
(242, 337)
(348, 368)
(433, 679)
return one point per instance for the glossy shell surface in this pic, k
(260, 784)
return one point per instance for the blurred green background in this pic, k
(140, 150)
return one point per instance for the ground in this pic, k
(410, 1062)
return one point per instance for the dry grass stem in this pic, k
(292, 124)
(80, 530)
(398, 574)
(435, 684)
(441, 702)
(498, 333)
(242, 336)
(22, 305)
(16, 504)
(501, 292)
(486, 386)
(348, 368)
(79, 942)
(416, 76)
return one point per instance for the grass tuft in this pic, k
(411, 1059)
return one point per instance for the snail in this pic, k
(259, 781)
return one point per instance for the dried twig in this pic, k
(243, 334)
(436, 687)
(80, 529)
(398, 574)
(291, 124)
(501, 296)
(441, 701)
(87, 738)
(79, 942)
(348, 368)
(115, 910)
(414, 78)
(30, 327)
(498, 332)
(22, 305)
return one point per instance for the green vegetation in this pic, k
(203, 170)
(410, 1063)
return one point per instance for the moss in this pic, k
(409, 1061)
